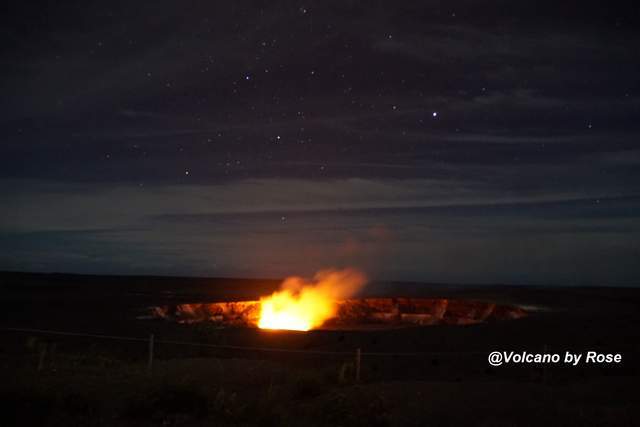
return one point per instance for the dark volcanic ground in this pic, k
(561, 318)
(447, 359)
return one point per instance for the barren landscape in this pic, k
(417, 375)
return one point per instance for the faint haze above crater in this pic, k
(492, 141)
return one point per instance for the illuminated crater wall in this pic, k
(352, 314)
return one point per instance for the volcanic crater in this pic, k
(351, 314)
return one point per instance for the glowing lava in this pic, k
(302, 305)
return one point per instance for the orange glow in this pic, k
(302, 305)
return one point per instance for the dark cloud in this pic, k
(159, 104)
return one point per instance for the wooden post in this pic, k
(43, 354)
(358, 357)
(52, 356)
(150, 361)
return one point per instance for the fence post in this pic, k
(358, 357)
(52, 356)
(150, 361)
(42, 355)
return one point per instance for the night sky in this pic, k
(436, 141)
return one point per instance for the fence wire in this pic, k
(235, 347)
